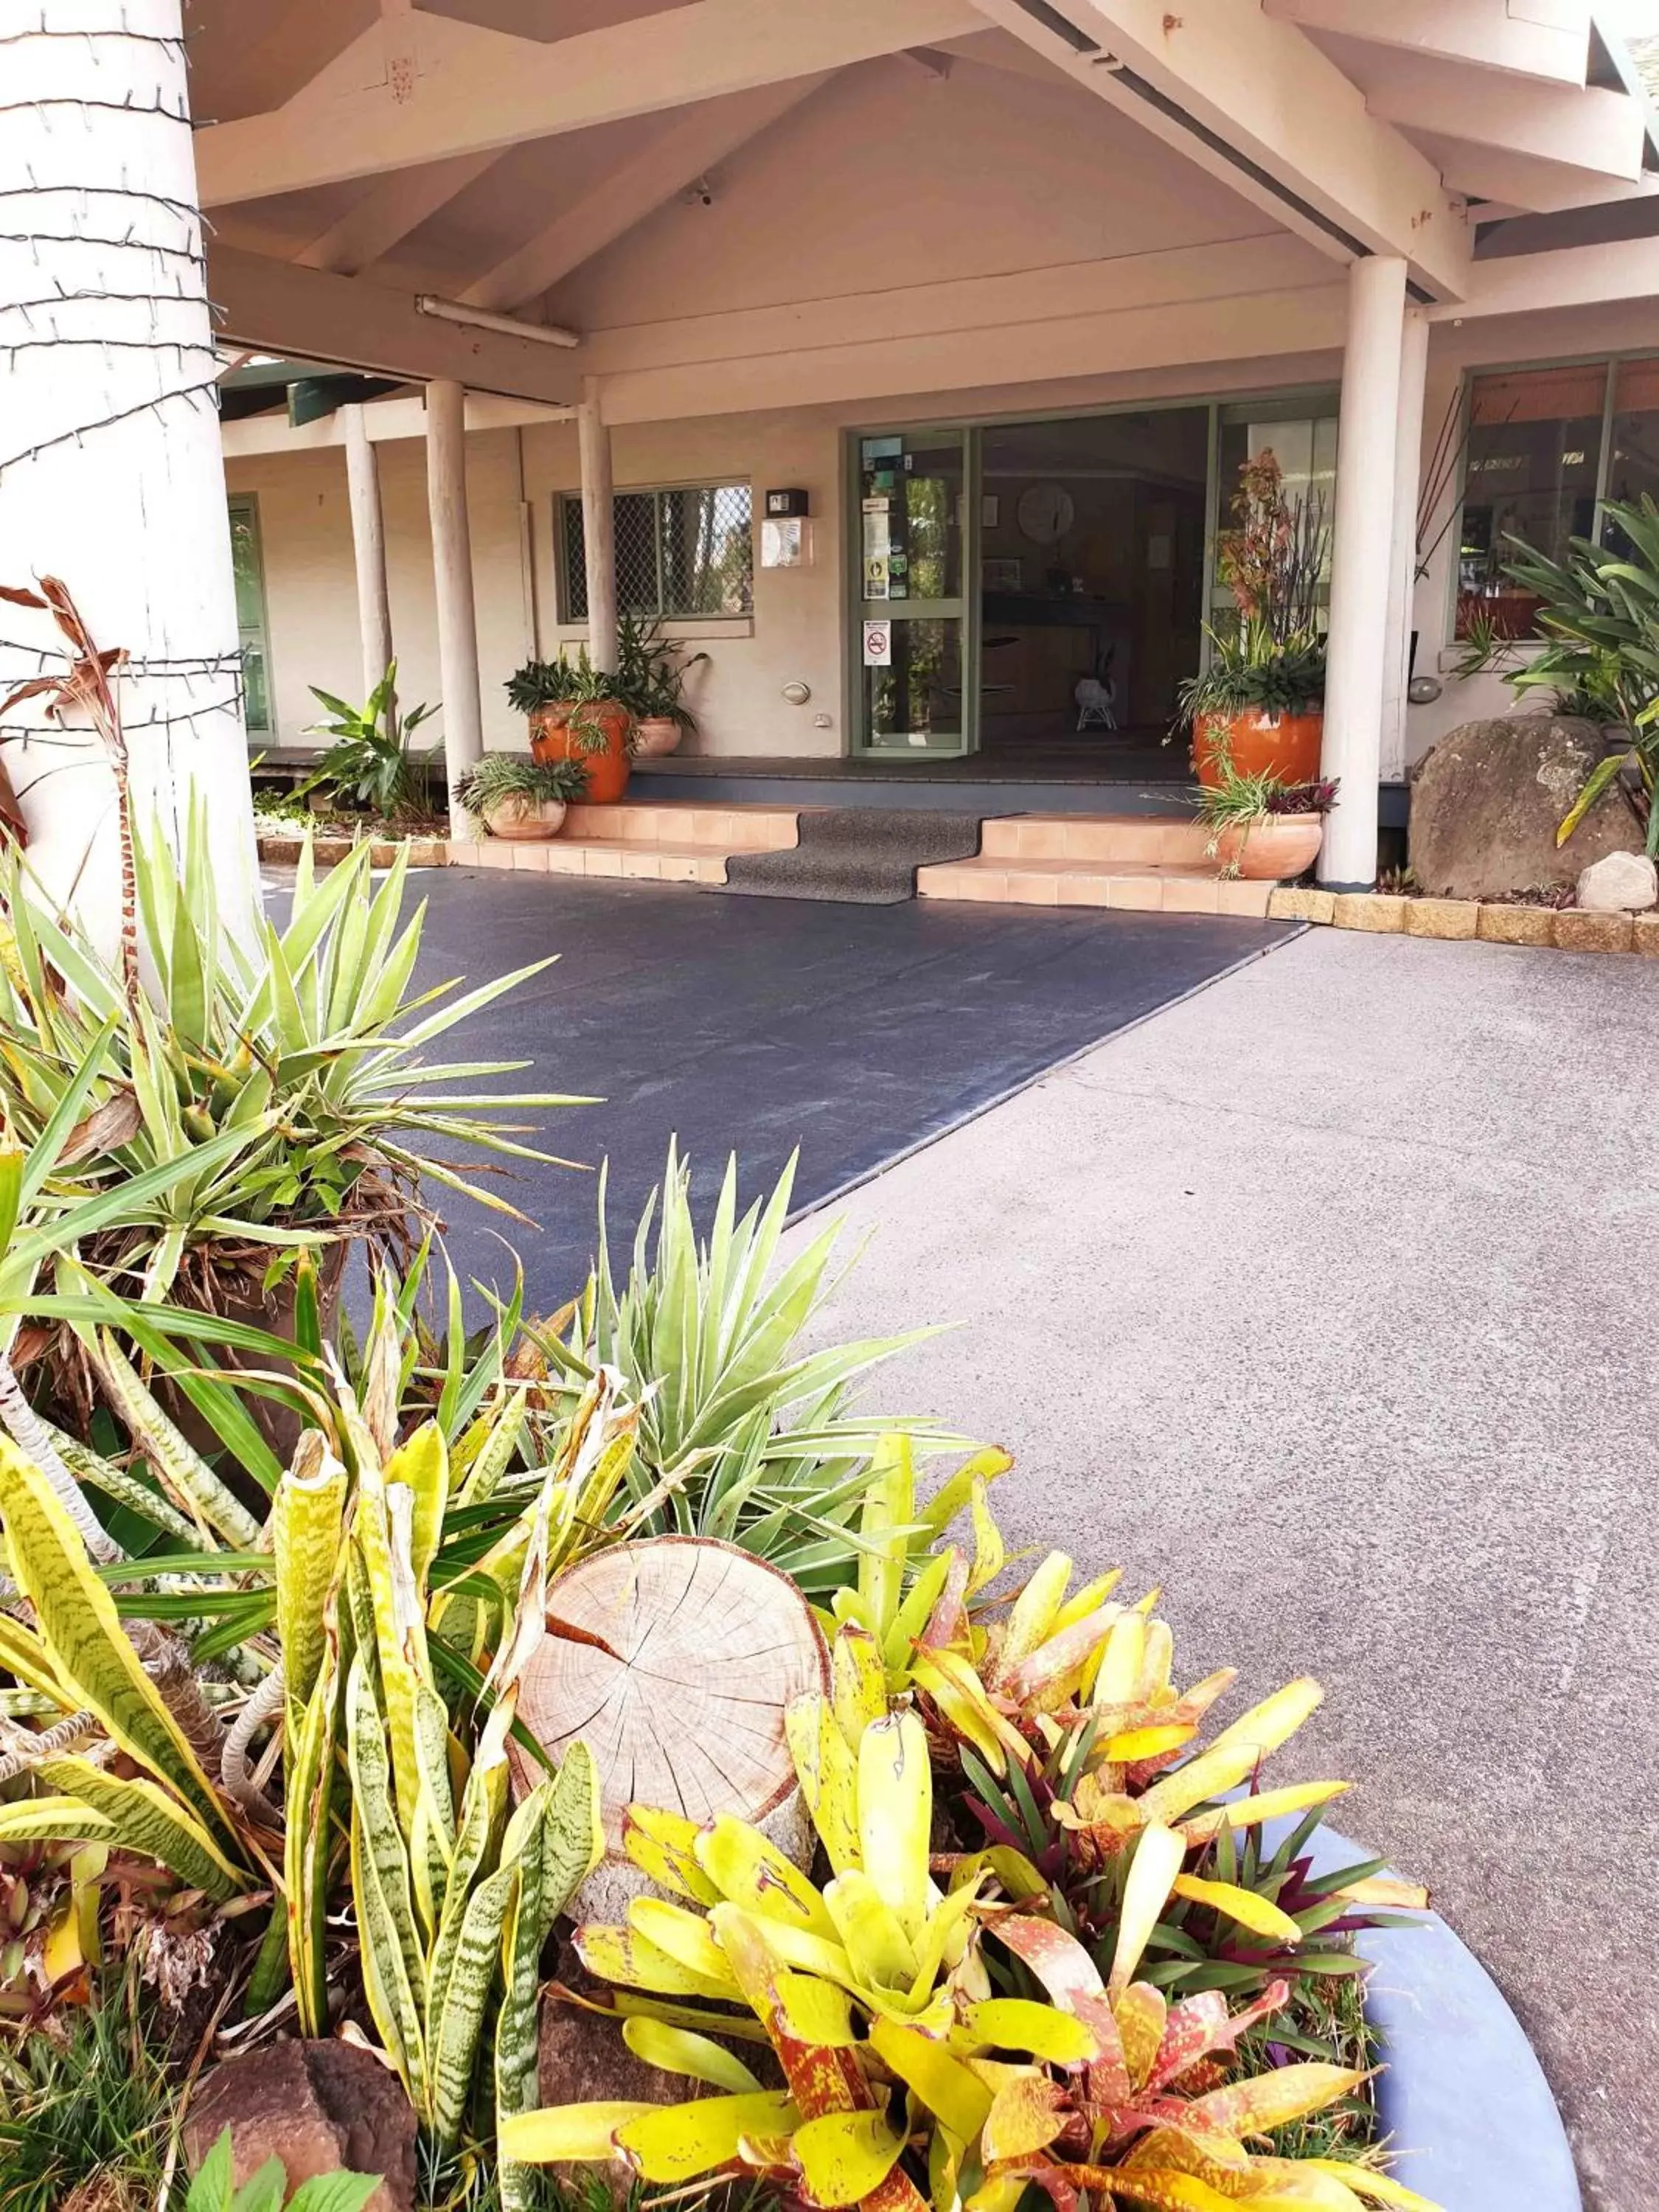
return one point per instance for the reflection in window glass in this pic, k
(1305, 449)
(918, 699)
(1633, 461)
(248, 568)
(679, 553)
(1533, 464)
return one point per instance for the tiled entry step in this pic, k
(657, 843)
(1146, 863)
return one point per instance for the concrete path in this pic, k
(1325, 1300)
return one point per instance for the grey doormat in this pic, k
(862, 856)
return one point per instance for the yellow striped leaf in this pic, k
(869, 1931)
(149, 1821)
(83, 1632)
(857, 1684)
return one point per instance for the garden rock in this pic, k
(1621, 883)
(1486, 802)
(320, 2107)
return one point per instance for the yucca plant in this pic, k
(304, 1047)
(950, 2047)
(744, 1433)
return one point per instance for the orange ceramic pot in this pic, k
(1257, 744)
(1271, 848)
(552, 738)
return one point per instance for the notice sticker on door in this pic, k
(877, 645)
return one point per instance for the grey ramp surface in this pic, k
(859, 856)
(1323, 1301)
(756, 1025)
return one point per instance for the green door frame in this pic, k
(1283, 399)
(964, 610)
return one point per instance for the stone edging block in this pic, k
(1569, 929)
(1579, 931)
(1435, 917)
(423, 852)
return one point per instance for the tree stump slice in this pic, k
(710, 1644)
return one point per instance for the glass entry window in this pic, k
(913, 637)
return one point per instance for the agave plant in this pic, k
(950, 2047)
(278, 1076)
(744, 1434)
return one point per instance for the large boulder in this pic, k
(320, 2107)
(1487, 800)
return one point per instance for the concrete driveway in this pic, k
(1325, 1300)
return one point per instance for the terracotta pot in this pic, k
(1271, 847)
(550, 739)
(1258, 744)
(518, 816)
(656, 734)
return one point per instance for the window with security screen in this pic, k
(680, 553)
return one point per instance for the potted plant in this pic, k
(577, 713)
(651, 673)
(1260, 702)
(515, 795)
(1262, 827)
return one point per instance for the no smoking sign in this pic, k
(877, 645)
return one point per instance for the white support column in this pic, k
(598, 530)
(111, 478)
(1402, 581)
(452, 567)
(367, 546)
(1362, 563)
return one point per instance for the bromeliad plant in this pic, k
(1073, 1740)
(935, 2046)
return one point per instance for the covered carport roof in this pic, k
(357, 154)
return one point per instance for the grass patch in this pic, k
(87, 2106)
(1324, 2019)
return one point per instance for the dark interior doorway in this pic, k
(1091, 578)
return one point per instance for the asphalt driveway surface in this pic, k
(756, 1025)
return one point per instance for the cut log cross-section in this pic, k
(700, 1648)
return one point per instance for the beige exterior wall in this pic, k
(796, 633)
